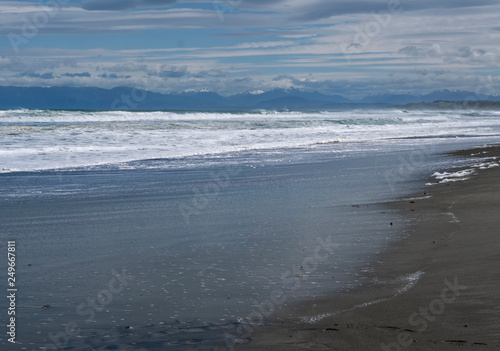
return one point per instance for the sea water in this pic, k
(41, 140)
(162, 230)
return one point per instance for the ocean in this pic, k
(186, 230)
(42, 140)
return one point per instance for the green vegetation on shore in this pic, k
(453, 105)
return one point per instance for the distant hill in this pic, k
(453, 105)
(445, 95)
(120, 98)
(126, 98)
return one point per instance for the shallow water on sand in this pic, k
(171, 259)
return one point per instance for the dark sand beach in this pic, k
(454, 304)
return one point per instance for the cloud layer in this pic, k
(120, 5)
(346, 47)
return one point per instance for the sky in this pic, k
(352, 48)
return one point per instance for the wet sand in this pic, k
(447, 271)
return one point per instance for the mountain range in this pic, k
(125, 98)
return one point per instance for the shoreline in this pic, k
(447, 279)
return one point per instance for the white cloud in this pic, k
(265, 44)
(461, 55)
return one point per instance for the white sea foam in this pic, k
(418, 198)
(408, 282)
(454, 218)
(486, 165)
(404, 283)
(459, 174)
(37, 139)
(446, 177)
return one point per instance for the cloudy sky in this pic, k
(348, 47)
